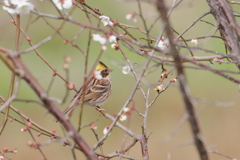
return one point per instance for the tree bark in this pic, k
(228, 27)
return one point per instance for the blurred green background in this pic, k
(219, 124)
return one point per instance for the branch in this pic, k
(183, 84)
(52, 108)
(228, 27)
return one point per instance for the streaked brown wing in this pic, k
(93, 87)
(99, 87)
(86, 86)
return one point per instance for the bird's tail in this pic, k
(67, 112)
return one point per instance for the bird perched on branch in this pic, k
(94, 92)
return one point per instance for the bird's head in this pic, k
(102, 71)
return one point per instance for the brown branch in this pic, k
(228, 28)
(127, 148)
(52, 108)
(194, 23)
(183, 84)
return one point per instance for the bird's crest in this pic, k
(101, 66)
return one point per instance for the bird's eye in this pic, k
(104, 73)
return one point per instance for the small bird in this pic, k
(94, 92)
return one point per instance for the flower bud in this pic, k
(71, 86)
(14, 151)
(115, 46)
(29, 39)
(68, 59)
(24, 129)
(159, 88)
(173, 80)
(194, 41)
(123, 117)
(126, 69)
(105, 130)
(93, 127)
(29, 125)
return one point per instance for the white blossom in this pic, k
(126, 110)
(106, 20)
(126, 69)
(18, 6)
(114, 46)
(163, 44)
(99, 38)
(7, 8)
(112, 38)
(66, 4)
(1, 158)
(105, 130)
(130, 16)
(159, 88)
(104, 39)
(123, 117)
(194, 41)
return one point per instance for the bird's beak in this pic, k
(110, 70)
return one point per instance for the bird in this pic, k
(94, 92)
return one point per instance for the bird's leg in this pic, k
(99, 109)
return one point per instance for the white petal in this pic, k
(159, 88)
(66, 4)
(110, 23)
(194, 41)
(126, 70)
(105, 130)
(16, 2)
(112, 38)
(6, 3)
(106, 20)
(126, 109)
(21, 6)
(114, 46)
(99, 38)
(9, 10)
(128, 16)
(24, 8)
(123, 117)
(163, 44)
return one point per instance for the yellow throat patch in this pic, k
(101, 66)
